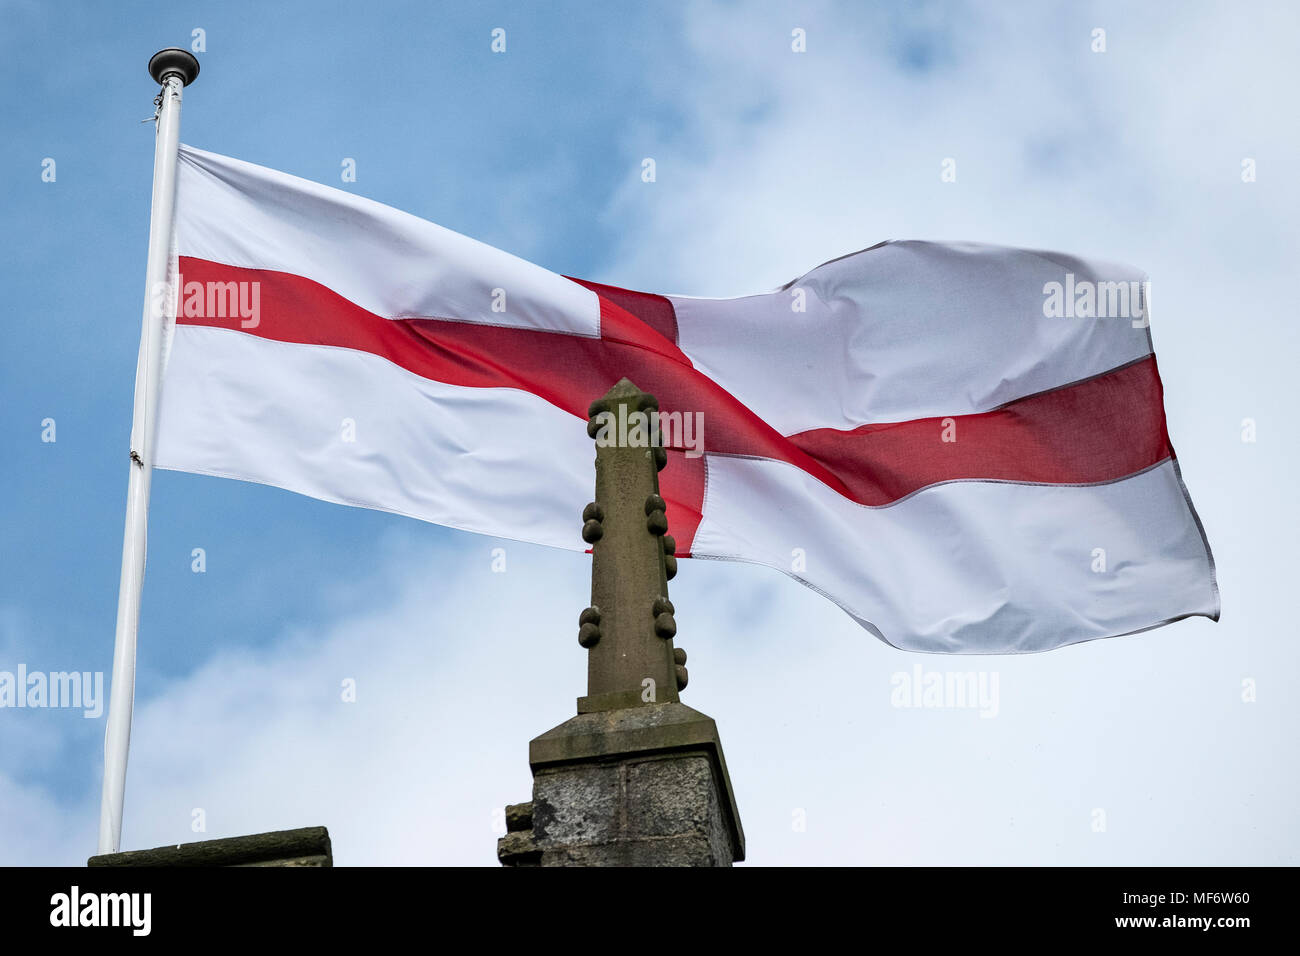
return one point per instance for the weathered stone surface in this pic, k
(577, 805)
(644, 811)
(519, 849)
(519, 816)
(641, 732)
(670, 796)
(632, 661)
(689, 850)
(641, 786)
(308, 846)
(307, 861)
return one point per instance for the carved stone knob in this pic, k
(665, 626)
(589, 627)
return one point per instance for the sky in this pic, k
(1173, 149)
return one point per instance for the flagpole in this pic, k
(172, 69)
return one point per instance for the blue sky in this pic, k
(768, 163)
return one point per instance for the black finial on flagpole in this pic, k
(183, 63)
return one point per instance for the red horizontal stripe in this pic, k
(1099, 430)
(1093, 431)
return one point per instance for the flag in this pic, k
(962, 445)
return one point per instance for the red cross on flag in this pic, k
(964, 446)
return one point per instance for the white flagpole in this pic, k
(172, 69)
